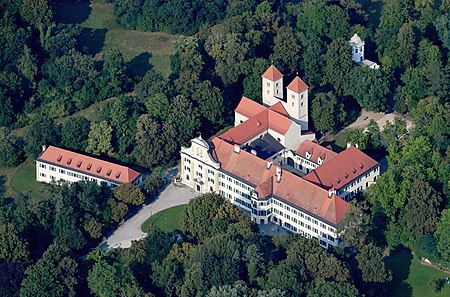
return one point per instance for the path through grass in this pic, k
(166, 220)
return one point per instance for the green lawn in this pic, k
(411, 278)
(166, 220)
(24, 179)
(337, 141)
(143, 50)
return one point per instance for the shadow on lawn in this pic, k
(71, 11)
(139, 65)
(400, 262)
(92, 40)
(2, 185)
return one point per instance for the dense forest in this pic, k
(46, 74)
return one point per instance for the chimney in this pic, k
(237, 148)
(349, 144)
(269, 163)
(329, 147)
(253, 152)
(278, 174)
(44, 148)
(330, 193)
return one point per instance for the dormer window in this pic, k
(308, 155)
(118, 174)
(89, 166)
(79, 164)
(108, 173)
(59, 158)
(301, 104)
(319, 160)
(99, 169)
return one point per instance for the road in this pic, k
(130, 230)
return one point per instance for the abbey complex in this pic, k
(272, 166)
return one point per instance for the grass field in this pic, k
(411, 278)
(24, 179)
(166, 220)
(142, 50)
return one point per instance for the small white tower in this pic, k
(297, 102)
(272, 86)
(357, 48)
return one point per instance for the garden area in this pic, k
(411, 278)
(167, 220)
(142, 50)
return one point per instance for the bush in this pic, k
(436, 285)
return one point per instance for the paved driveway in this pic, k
(130, 230)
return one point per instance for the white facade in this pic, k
(272, 91)
(297, 107)
(357, 48)
(239, 118)
(200, 172)
(358, 53)
(49, 173)
(358, 184)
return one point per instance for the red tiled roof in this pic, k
(265, 188)
(267, 119)
(342, 169)
(297, 85)
(291, 188)
(249, 107)
(315, 150)
(88, 165)
(272, 73)
(310, 197)
(245, 165)
(278, 107)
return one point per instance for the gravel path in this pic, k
(130, 230)
(381, 118)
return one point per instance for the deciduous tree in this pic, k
(443, 235)
(75, 133)
(43, 131)
(421, 213)
(129, 194)
(52, 275)
(338, 64)
(100, 137)
(369, 87)
(327, 114)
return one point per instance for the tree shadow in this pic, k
(139, 65)
(92, 40)
(400, 262)
(71, 11)
(2, 185)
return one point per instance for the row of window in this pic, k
(301, 214)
